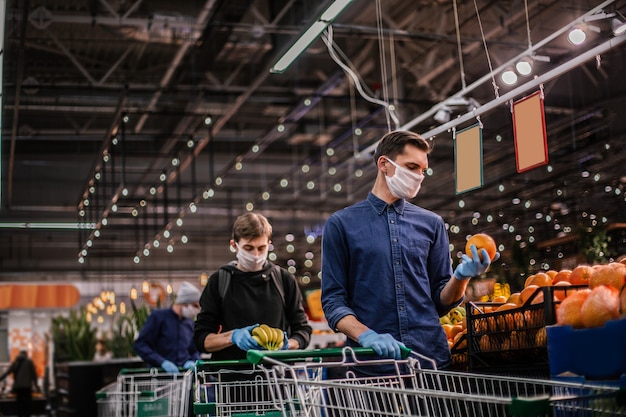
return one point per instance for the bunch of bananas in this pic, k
(268, 337)
(454, 316)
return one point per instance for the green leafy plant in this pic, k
(594, 244)
(74, 338)
(126, 329)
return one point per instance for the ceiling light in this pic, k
(577, 36)
(618, 25)
(524, 66)
(509, 77)
(311, 34)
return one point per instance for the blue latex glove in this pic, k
(243, 338)
(189, 364)
(383, 344)
(169, 367)
(472, 267)
(285, 345)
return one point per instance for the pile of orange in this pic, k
(604, 300)
(612, 274)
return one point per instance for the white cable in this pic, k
(381, 57)
(327, 38)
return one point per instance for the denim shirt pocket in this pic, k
(417, 255)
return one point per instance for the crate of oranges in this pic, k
(509, 333)
(593, 322)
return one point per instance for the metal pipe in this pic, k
(489, 76)
(562, 69)
(201, 22)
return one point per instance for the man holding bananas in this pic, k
(252, 304)
(386, 269)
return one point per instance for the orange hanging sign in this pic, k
(468, 159)
(529, 129)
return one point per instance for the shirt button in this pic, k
(392, 222)
(399, 285)
(401, 308)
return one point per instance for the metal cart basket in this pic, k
(414, 387)
(146, 393)
(239, 389)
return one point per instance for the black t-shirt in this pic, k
(251, 298)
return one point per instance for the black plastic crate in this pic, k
(513, 341)
(459, 354)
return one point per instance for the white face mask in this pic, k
(189, 311)
(404, 183)
(248, 262)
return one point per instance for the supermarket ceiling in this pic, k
(157, 123)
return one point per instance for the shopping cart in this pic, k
(237, 388)
(146, 393)
(416, 388)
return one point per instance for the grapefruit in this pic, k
(481, 241)
(552, 273)
(562, 276)
(457, 328)
(499, 299)
(569, 311)
(601, 305)
(507, 306)
(514, 298)
(612, 274)
(561, 294)
(541, 279)
(525, 294)
(529, 280)
(580, 275)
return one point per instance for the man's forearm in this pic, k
(453, 291)
(214, 342)
(351, 327)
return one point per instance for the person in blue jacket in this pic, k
(166, 339)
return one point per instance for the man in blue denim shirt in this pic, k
(386, 269)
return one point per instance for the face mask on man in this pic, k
(189, 311)
(404, 183)
(248, 261)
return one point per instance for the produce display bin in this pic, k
(514, 341)
(594, 353)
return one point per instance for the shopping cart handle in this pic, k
(257, 356)
(133, 371)
(223, 363)
(153, 370)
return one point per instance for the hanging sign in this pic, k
(529, 129)
(468, 159)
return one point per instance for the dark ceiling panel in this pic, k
(89, 81)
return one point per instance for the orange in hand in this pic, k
(481, 241)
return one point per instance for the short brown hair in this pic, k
(393, 144)
(251, 226)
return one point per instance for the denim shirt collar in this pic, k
(380, 206)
